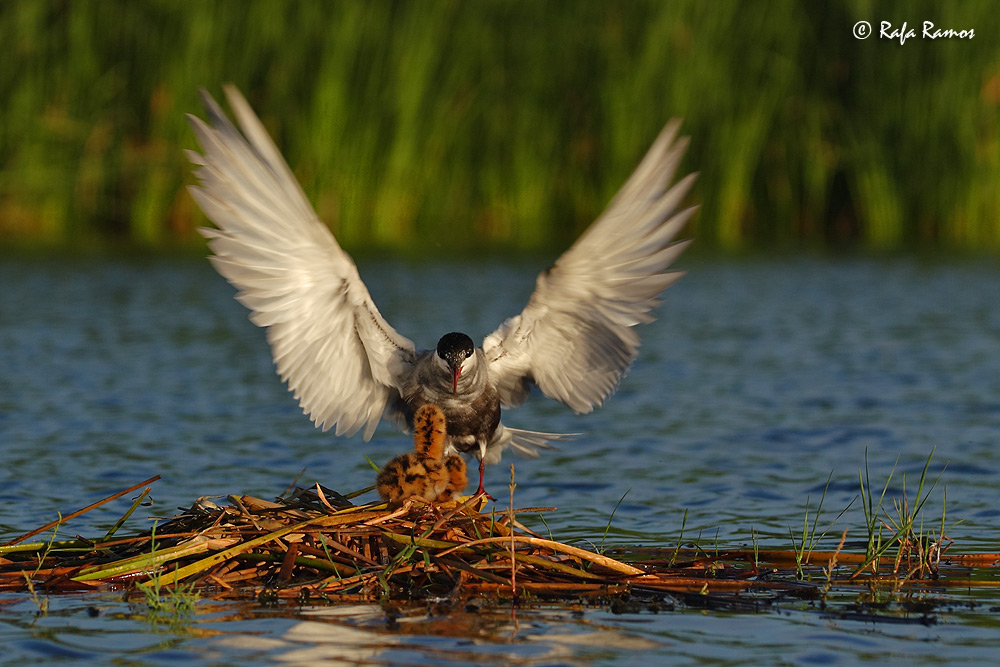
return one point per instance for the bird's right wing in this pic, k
(339, 356)
(576, 338)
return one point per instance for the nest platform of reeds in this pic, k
(314, 544)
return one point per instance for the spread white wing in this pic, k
(575, 338)
(340, 358)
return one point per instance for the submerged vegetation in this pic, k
(509, 124)
(316, 546)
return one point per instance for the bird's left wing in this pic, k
(575, 338)
(337, 353)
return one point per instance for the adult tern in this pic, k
(350, 369)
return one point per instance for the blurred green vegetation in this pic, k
(509, 124)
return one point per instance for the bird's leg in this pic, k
(482, 491)
(482, 470)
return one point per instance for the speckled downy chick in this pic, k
(426, 472)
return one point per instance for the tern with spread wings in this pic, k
(350, 369)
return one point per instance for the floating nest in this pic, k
(314, 544)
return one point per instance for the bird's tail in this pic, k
(523, 443)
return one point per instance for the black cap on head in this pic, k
(455, 347)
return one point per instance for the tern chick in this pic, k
(427, 472)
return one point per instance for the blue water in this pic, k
(760, 379)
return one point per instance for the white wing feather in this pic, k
(575, 338)
(340, 358)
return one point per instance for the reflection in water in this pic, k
(487, 636)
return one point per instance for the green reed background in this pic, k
(508, 124)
